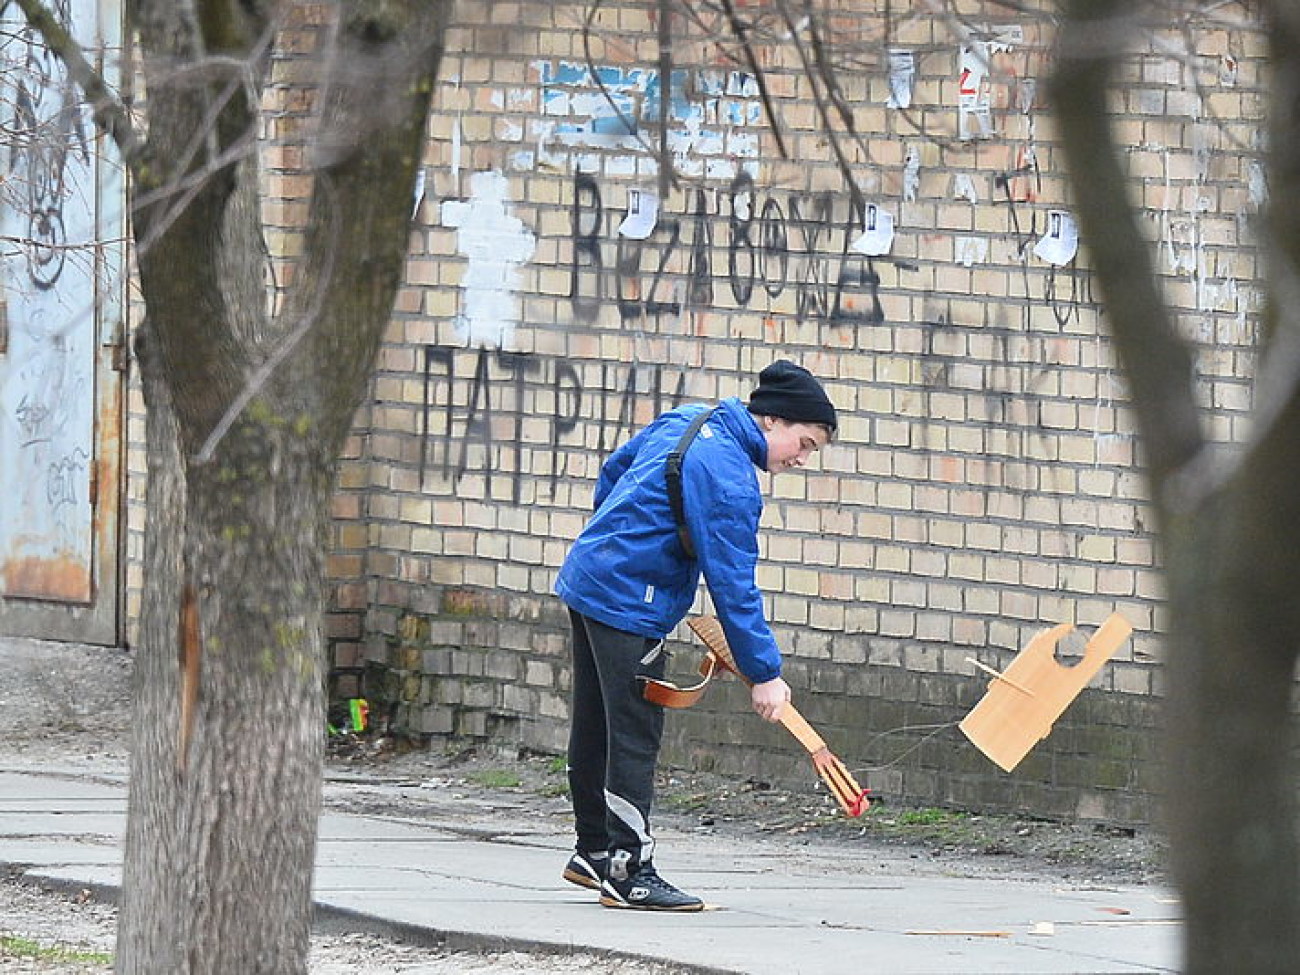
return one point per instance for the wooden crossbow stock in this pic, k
(851, 797)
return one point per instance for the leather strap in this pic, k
(669, 695)
(673, 475)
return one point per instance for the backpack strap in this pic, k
(673, 475)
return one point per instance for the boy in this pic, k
(631, 577)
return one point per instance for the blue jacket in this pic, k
(627, 568)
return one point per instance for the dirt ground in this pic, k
(701, 802)
(71, 705)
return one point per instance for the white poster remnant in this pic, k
(902, 79)
(975, 113)
(974, 118)
(911, 174)
(642, 215)
(1061, 242)
(969, 251)
(877, 232)
(963, 188)
(497, 244)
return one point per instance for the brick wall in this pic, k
(985, 483)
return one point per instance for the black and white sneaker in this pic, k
(645, 890)
(586, 870)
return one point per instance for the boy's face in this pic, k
(789, 445)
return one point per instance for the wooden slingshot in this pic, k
(852, 798)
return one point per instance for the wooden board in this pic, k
(1023, 703)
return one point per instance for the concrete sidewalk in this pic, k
(780, 911)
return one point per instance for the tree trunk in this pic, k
(1230, 780)
(246, 417)
(225, 784)
(1228, 534)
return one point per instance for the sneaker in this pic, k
(645, 890)
(586, 870)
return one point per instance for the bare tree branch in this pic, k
(108, 111)
(628, 123)
(741, 31)
(820, 99)
(667, 178)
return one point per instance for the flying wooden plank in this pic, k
(1024, 701)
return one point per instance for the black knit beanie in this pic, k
(790, 392)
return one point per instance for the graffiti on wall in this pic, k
(472, 421)
(732, 244)
(48, 214)
(480, 407)
(779, 243)
(776, 243)
(1004, 397)
(46, 132)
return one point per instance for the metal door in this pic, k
(62, 244)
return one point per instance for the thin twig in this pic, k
(108, 111)
(666, 177)
(819, 99)
(760, 76)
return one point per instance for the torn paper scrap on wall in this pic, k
(1061, 242)
(877, 235)
(1257, 184)
(614, 107)
(974, 117)
(911, 175)
(963, 188)
(421, 180)
(496, 244)
(969, 251)
(642, 215)
(974, 88)
(902, 78)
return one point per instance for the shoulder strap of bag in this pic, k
(673, 474)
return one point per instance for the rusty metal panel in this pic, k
(62, 223)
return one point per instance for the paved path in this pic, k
(783, 912)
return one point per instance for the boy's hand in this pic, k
(769, 698)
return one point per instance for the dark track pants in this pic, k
(614, 738)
